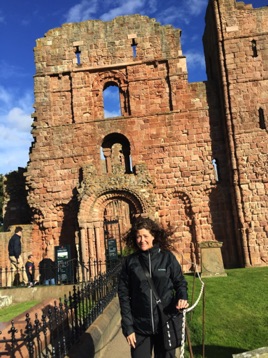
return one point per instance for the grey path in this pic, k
(117, 347)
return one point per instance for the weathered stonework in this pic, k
(241, 81)
(157, 157)
(211, 259)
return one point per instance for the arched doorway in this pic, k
(105, 218)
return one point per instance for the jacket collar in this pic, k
(153, 251)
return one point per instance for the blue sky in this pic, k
(22, 22)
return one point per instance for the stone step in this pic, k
(256, 353)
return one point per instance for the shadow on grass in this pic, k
(216, 351)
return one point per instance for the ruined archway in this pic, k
(105, 216)
(179, 215)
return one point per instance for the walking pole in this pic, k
(203, 326)
(189, 340)
(193, 291)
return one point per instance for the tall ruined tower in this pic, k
(172, 153)
(236, 52)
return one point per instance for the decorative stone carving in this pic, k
(139, 184)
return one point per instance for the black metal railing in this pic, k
(59, 327)
(65, 272)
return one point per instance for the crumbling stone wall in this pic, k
(240, 50)
(15, 207)
(169, 130)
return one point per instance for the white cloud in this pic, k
(152, 5)
(111, 114)
(18, 119)
(5, 96)
(89, 9)
(82, 11)
(182, 12)
(107, 10)
(126, 8)
(195, 7)
(15, 130)
(171, 14)
(195, 59)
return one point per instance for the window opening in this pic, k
(134, 45)
(77, 54)
(116, 154)
(130, 164)
(262, 119)
(216, 170)
(111, 102)
(254, 48)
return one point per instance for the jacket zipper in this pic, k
(151, 292)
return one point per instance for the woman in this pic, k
(140, 320)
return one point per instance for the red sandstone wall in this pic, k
(244, 92)
(174, 130)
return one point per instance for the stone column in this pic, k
(98, 249)
(126, 153)
(91, 254)
(107, 155)
(82, 246)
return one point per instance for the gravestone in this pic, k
(211, 259)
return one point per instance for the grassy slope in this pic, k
(12, 311)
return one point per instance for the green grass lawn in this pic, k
(235, 313)
(9, 313)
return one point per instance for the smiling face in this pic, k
(144, 239)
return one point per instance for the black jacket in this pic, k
(137, 303)
(14, 246)
(47, 269)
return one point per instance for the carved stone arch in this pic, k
(93, 186)
(92, 220)
(134, 199)
(118, 77)
(185, 198)
(92, 206)
(179, 214)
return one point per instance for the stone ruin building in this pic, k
(191, 155)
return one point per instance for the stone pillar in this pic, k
(107, 155)
(82, 243)
(126, 153)
(98, 248)
(211, 259)
(91, 254)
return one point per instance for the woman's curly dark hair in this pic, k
(161, 236)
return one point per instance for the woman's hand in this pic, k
(182, 304)
(131, 339)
